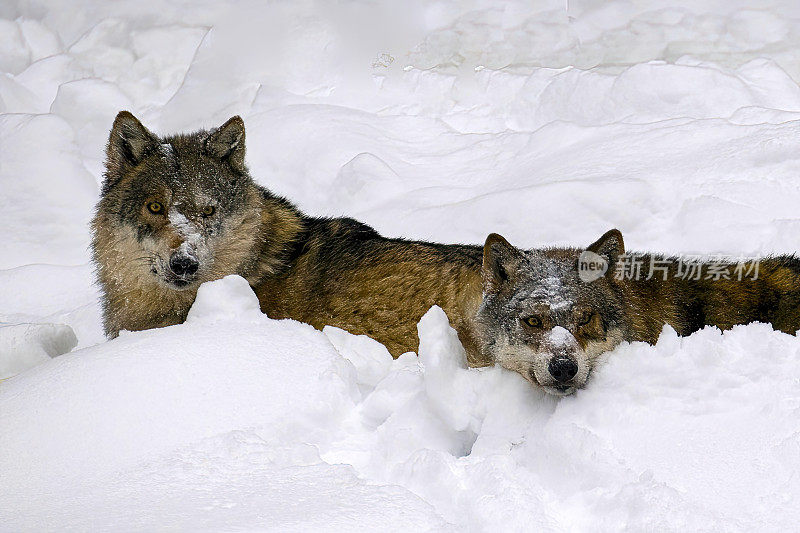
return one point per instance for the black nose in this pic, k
(183, 264)
(562, 369)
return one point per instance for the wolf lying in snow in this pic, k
(550, 320)
(180, 210)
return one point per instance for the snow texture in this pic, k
(548, 122)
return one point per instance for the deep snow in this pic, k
(438, 120)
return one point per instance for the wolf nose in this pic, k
(183, 264)
(562, 369)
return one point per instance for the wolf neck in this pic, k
(691, 302)
(280, 233)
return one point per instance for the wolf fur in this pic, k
(550, 325)
(180, 210)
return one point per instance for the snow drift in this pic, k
(236, 420)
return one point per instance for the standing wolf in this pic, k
(180, 210)
(551, 320)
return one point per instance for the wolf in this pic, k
(550, 316)
(180, 210)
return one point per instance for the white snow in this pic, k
(559, 336)
(676, 122)
(27, 345)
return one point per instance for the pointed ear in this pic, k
(501, 261)
(610, 246)
(128, 143)
(227, 142)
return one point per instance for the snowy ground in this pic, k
(446, 120)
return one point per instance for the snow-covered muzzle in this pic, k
(179, 269)
(560, 365)
(557, 363)
(181, 252)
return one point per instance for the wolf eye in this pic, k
(209, 210)
(155, 207)
(533, 321)
(585, 317)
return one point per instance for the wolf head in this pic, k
(176, 200)
(179, 210)
(543, 316)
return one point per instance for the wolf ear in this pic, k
(227, 142)
(501, 261)
(610, 246)
(128, 143)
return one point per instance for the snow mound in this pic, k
(228, 298)
(161, 417)
(25, 345)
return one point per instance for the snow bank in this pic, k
(137, 433)
(236, 420)
(548, 122)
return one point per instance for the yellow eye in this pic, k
(585, 317)
(155, 207)
(209, 210)
(533, 321)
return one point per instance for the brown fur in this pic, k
(350, 277)
(689, 305)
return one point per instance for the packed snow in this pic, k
(549, 122)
